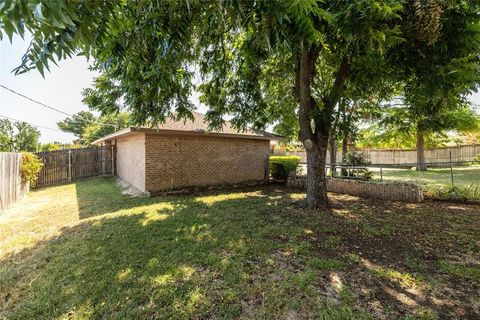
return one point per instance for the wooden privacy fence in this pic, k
(396, 156)
(12, 188)
(73, 164)
(458, 153)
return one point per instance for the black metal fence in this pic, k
(438, 174)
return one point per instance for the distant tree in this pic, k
(26, 138)
(18, 136)
(470, 137)
(377, 136)
(104, 126)
(6, 135)
(49, 146)
(77, 123)
(55, 145)
(397, 127)
(87, 127)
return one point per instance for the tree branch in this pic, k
(305, 74)
(323, 122)
(339, 85)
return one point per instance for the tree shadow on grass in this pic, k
(216, 255)
(152, 258)
(99, 196)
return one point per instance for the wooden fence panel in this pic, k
(12, 188)
(394, 156)
(74, 164)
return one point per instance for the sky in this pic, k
(61, 88)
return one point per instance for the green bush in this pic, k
(281, 166)
(357, 159)
(460, 193)
(30, 167)
(476, 161)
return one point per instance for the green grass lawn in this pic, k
(442, 177)
(85, 251)
(435, 180)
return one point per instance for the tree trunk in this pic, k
(317, 177)
(421, 166)
(344, 153)
(333, 153)
(315, 140)
(344, 148)
(316, 180)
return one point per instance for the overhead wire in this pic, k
(32, 124)
(50, 107)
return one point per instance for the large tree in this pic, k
(396, 127)
(77, 123)
(244, 53)
(439, 64)
(370, 85)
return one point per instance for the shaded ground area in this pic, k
(85, 251)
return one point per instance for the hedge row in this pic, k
(281, 166)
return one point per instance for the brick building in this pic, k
(184, 154)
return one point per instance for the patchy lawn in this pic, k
(84, 251)
(434, 177)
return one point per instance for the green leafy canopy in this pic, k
(239, 54)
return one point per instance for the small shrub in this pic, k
(357, 159)
(475, 162)
(281, 166)
(30, 167)
(460, 193)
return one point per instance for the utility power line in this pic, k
(32, 124)
(37, 102)
(49, 107)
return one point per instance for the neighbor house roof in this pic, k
(197, 126)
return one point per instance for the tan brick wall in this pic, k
(130, 156)
(183, 161)
(398, 191)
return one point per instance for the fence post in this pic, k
(451, 168)
(381, 173)
(69, 165)
(113, 161)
